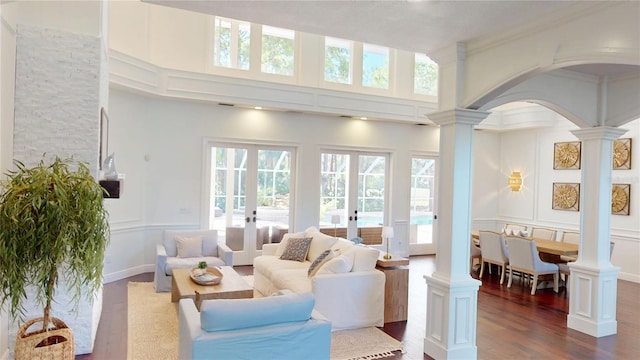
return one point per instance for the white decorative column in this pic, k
(452, 294)
(593, 285)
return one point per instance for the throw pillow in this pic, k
(285, 240)
(189, 246)
(338, 265)
(317, 263)
(320, 243)
(296, 249)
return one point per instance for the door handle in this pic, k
(254, 219)
(248, 219)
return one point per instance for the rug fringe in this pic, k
(379, 355)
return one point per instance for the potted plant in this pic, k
(53, 226)
(202, 265)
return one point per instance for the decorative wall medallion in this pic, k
(620, 197)
(566, 196)
(622, 154)
(566, 155)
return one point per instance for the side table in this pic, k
(396, 287)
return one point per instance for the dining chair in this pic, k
(542, 233)
(524, 257)
(494, 251)
(513, 229)
(571, 237)
(476, 253)
(563, 268)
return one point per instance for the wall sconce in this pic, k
(515, 181)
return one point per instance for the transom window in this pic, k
(337, 60)
(278, 47)
(425, 76)
(375, 66)
(232, 46)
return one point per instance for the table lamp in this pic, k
(387, 233)
(335, 220)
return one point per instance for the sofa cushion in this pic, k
(341, 245)
(189, 263)
(365, 258)
(296, 249)
(189, 247)
(268, 264)
(295, 280)
(320, 243)
(229, 314)
(321, 259)
(338, 265)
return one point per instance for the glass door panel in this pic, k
(334, 176)
(228, 194)
(353, 188)
(371, 197)
(273, 194)
(422, 203)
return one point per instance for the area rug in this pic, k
(153, 331)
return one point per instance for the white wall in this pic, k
(165, 191)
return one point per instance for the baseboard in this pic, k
(123, 274)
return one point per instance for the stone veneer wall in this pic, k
(59, 89)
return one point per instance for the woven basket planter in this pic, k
(55, 344)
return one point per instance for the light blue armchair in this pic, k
(278, 327)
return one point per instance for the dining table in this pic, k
(544, 246)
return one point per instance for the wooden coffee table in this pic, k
(232, 286)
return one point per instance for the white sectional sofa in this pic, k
(348, 289)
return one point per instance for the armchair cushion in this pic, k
(189, 247)
(230, 314)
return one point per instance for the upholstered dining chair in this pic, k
(494, 251)
(542, 233)
(476, 253)
(524, 257)
(572, 238)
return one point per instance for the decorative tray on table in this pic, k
(211, 276)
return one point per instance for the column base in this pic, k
(451, 318)
(592, 307)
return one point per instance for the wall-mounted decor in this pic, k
(622, 154)
(104, 136)
(566, 196)
(566, 155)
(620, 197)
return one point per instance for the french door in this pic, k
(249, 195)
(422, 205)
(354, 187)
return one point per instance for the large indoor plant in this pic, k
(53, 227)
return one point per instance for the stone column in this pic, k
(452, 294)
(593, 280)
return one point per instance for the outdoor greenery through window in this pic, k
(278, 49)
(337, 60)
(231, 47)
(375, 66)
(425, 77)
(423, 171)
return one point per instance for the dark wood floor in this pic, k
(512, 324)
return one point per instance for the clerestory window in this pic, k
(425, 76)
(232, 46)
(278, 49)
(375, 66)
(337, 60)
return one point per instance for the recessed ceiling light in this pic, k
(362, 118)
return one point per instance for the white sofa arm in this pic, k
(269, 249)
(161, 258)
(350, 300)
(188, 327)
(226, 254)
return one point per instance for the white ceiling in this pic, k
(423, 26)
